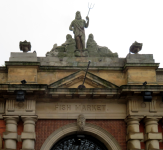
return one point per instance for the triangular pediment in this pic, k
(76, 79)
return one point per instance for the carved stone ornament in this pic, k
(77, 26)
(81, 122)
(65, 50)
(75, 47)
(136, 47)
(95, 50)
(25, 46)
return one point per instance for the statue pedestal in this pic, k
(139, 58)
(19, 56)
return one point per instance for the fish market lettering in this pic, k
(90, 107)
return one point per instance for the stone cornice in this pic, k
(140, 88)
(15, 63)
(3, 69)
(82, 91)
(54, 68)
(140, 65)
(51, 90)
(29, 87)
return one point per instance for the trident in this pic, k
(90, 7)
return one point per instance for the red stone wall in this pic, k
(2, 129)
(46, 127)
(141, 128)
(160, 125)
(20, 130)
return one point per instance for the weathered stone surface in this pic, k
(135, 136)
(72, 109)
(28, 135)
(10, 135)
(153, 136)
(139, 76)
(81, 61)
(3, 77)
(24, 73)
(139, 58)
(18, 56)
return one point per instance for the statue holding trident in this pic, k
(77, 26)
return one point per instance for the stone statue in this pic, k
(53, 51)
(136, 47)
(81, 122)
(69, 45)
(65, 50)
(77, 26)
(91, 44)
(96, 50)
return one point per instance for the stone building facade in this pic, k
(115, 114)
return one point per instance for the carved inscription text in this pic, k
(79, 107)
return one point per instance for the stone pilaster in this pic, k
(152, 136)
(28, 135)
(10, 136)
(134, 136)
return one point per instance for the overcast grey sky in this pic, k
(114, 23)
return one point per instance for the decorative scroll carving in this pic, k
(81, 122)
(10, 105)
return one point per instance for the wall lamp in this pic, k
(20, 95)
(147, 96)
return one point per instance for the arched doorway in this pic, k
(79, 142)
(72, 129)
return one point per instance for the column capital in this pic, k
(27, 118)
(14, 118)
(152, 118)
(133, 118)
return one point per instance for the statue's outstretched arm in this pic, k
(87, 24)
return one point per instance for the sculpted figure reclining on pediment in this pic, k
(96, 50)
(65, 50)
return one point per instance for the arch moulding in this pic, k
(96, 131)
